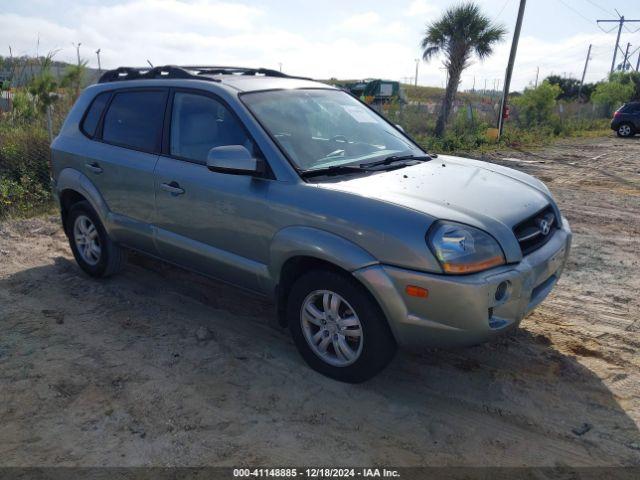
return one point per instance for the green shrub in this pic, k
(536, 105)
(24, 167)
(24, 108)
(612, 94)
(628, 78)
(22, 196)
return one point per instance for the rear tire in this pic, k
(93, 249)
(626, 130)
(338, 327)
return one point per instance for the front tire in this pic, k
(626, 130)
(338, 327)
(90, 243)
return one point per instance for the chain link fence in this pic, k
(25, 136)
(26, 131)
(472, 120)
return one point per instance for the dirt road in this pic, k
(161, 367)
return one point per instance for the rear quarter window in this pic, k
(630, 108)
(134, 120)
(93, 114)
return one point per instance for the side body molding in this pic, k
(313, 242)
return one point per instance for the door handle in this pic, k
(173, 188)
(94, 167)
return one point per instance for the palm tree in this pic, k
(43, 86)
(73, 77)
(462, 31)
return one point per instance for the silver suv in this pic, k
(301, 193)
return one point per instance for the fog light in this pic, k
(501, 291)
(414, 291)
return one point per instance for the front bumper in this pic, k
(463, 310)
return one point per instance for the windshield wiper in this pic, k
(332, 170)
(396, 158)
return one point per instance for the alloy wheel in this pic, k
(331, 327)
(624, 130)
(87, 240)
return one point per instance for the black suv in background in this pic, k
(626, 120)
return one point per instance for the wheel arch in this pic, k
(297, 250)
(72, 186)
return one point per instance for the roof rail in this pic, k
(193, 72)
(139, 73)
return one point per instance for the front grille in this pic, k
(536, 230)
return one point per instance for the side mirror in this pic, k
(400, 128)
(235, 160)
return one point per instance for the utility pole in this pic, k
(99, 66)
(512, 59)
(626, 56)
(538, 73)
(638, 64)
(417, 63)
(615, 50)
(280, 66)
(620, 21)
(584, 72)
(77, 50)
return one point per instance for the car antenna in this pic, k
(151, 64)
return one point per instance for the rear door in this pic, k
(211, 222)
(635, 113)
(130, 133)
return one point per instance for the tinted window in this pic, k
(134, 120)
(199, 123)
(630, 108)
(93, 114)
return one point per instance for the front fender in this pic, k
(72, 179)
(312, 242)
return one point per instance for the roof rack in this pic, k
(193, 72)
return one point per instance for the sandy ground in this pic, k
(113, 372)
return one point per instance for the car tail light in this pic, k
(617, 114)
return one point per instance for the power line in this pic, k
(576, 12)
(607, 31)
(599, 6)
(501, 10)
(620, 21)
(632, 31)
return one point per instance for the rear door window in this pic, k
(94, 113)
(134, 120)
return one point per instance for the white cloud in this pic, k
(368, 44)
(565, 57)
(422, 8)
(361, 21)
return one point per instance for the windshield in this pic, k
(323, 128)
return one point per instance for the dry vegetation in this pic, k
(161, 367)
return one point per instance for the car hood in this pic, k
(453, 188)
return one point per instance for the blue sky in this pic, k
(331, 38)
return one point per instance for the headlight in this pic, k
(463, 249)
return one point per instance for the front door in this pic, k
(211, 222)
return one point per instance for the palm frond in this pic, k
(487, 39)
